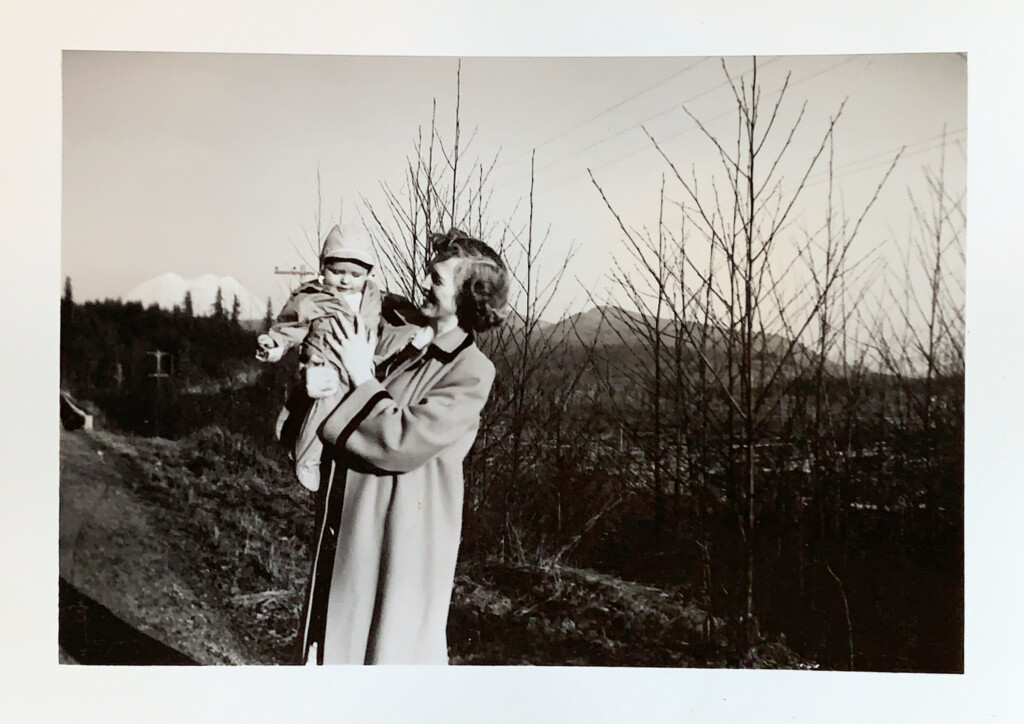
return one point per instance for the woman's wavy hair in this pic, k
(483, 281)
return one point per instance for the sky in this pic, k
(208, 163)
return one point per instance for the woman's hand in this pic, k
(354, 343)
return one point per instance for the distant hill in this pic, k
(168, 290)
(604, 327)
(619, 334)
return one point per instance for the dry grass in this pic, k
(548, 614)
(246, 524)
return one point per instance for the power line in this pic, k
(724, 114)
(887, 155)
(609, 109)
(728, 112)
(675, 106)
(821, 176)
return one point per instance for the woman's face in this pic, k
(440, 290)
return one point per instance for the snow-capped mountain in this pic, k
(168, 290)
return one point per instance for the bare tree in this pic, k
(437, 193)
(920, 332)
(754, 323)
(442, 189)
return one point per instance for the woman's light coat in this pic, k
(390, 511)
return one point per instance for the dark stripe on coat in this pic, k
(391, 363)
(322, 575)
(304, 639)
(357, 419)
(330, 503)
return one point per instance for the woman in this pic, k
(390, 514)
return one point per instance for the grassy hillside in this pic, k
(247, 525)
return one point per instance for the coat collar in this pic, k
(448, 345)
(444, 348)
(451, 340)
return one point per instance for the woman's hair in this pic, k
(483, 281)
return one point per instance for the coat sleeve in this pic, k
(289, 334)
(292, 323)
(305, 306)
(370, 425)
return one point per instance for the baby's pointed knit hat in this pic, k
(356, 247)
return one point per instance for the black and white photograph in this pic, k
(450, 362)
(652, 362)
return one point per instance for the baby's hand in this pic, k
(268, 351)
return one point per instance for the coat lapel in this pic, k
(444, 349)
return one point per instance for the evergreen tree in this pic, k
(188, 303)
(236, 309)
(218, 305)
(268, 321)
(67, 290)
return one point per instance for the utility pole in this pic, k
(299, 271)
(159, 375)
(295, 271)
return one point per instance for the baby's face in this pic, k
(345, 276)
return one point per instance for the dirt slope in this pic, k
(114, 550)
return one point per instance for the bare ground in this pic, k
(113, 550)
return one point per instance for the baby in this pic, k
(345, 290)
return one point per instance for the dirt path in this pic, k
(113, 550)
